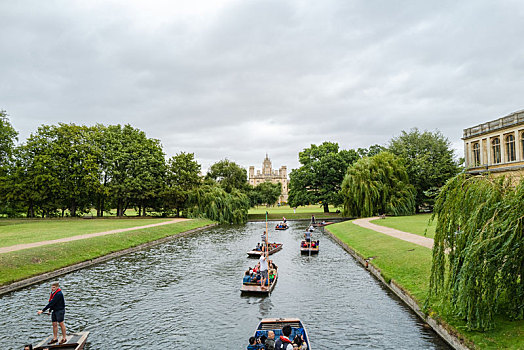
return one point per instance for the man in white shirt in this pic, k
(263, 271)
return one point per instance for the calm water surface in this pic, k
(185, 295)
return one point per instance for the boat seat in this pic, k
(278, 333)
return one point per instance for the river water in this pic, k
(185, 294)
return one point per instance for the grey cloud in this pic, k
(263, 76)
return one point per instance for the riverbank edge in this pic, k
(440, 328)
(64, 270)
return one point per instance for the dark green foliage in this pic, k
(229, 175)
(429, 162)
(8, 137)
(378, 185)
(373, 150)
(265, 193)
(478, 254)
(182, 176)
(214, 203)
(319, 178)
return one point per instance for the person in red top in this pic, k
(57, 306)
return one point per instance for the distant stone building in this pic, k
(270, 175)
(496, 146)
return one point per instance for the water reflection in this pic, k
(186, 293)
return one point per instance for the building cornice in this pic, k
(509, 121)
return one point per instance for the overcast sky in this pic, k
(236, 79)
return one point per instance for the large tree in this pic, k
(430, 162)
(319, 178)
(183, 175)
(265, 193)
(135, 167)
(378, 185)
(229, 175)
(8, 138)
(215, 203)
(478, 253)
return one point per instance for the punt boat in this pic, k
(256, 288)
(276, 325)
(281, 227)
(306, 248)
(274, 247)
(322, 224)
(75, 341)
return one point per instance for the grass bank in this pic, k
(20, 231)
(416, 224)
(31, 262)
(304, 212)
(409, 266)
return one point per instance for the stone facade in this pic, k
(270, 175)
(496, 146)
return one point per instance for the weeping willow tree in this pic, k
(478, 253)
(214, 203)
(378, 184)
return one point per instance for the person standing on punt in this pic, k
(263, 271)
(57, 306)
(307, 236)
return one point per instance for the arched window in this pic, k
(496, 150)
(510, 148)
(476, 154)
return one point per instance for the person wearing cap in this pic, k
(57, 306)
(263, 271)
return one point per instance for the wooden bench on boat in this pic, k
(75, 341)
(306, 248)
(276, 325)
(257, 253)
(256, 288)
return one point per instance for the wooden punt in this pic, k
(75, 341)
(257, 253)
(276, 325)
(256, 288)
(305, 248)
(284, 227)
(322, 224)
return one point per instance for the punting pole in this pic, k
(267, 254)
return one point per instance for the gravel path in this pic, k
(409, 237)
(16, 247)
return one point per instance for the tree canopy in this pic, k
(429, 162)
(183, 175)
(478, 253)
(319, 177)
(229, 175)
(378, 185)
(265, 193)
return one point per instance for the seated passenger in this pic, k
(299, 342)
(252, 344)
(256, 268)
(270, 341)
(247, 277)
(258, 247)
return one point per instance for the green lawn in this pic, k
(409, 265)
(31, 262)
(20, 231)
(417, 224)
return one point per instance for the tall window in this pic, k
(522, 146)
(510, 148)
(476, 154)
(496, 150)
